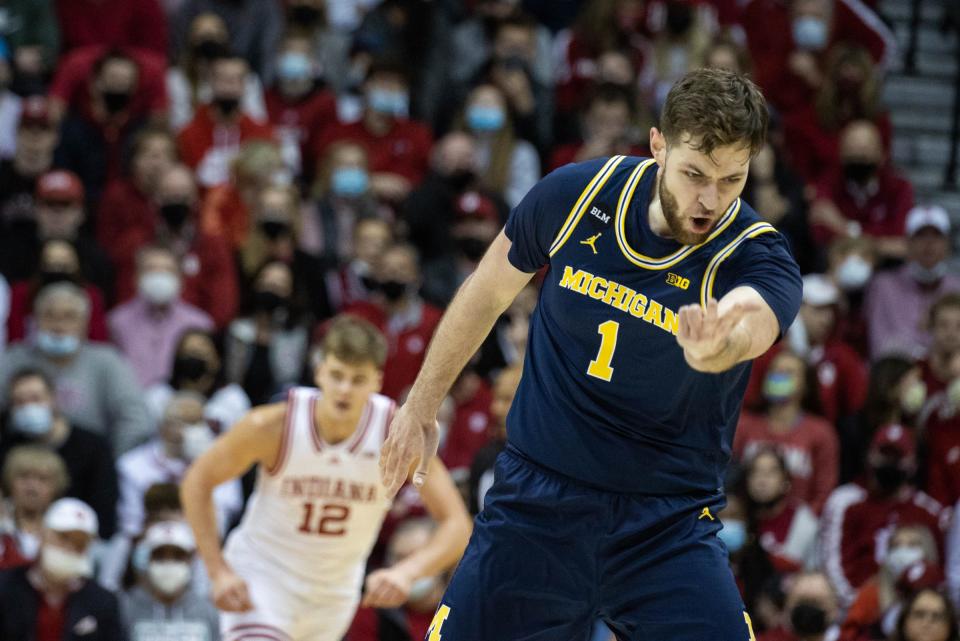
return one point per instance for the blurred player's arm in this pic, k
(390, 587)
(253, 439)
(741, 327)
(485, 295)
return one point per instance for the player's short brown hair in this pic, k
(355, 341)
(715, 108)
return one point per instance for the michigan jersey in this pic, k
(606, 396)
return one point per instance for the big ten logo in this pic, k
(599, 214)
(678, 281)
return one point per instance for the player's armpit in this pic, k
(496, 277)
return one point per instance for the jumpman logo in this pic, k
(591, 242)
(705, 514)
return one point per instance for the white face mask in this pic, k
(159, 287)
(853, 273)
(168, 577)
(422, 588)
(197, 439)
(62, 565)
(900, 558)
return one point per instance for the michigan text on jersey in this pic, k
(621, 297)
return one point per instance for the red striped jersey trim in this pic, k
(357, 439)
(314, 426)
(287, 436)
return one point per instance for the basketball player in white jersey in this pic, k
(293, 569)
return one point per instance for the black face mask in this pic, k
(274, 229)
(305, 15)
(858, 171)
(808, 619)
(889, 477)
(175, 214)
(514, 63)
(209, 49)
(115, 101)
(472, 248)
(189, 368)
(679, 18)
(50, 276)
(269, 302)
(393, 290)
(227, 105)
(460, 179)
(370, 283)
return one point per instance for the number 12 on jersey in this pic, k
(600, 366)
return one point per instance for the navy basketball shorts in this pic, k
(549, 556)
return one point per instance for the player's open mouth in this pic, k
(343, 406)
(700, 224)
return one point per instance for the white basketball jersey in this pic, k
(316, 514)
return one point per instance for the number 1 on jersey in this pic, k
(600, 366)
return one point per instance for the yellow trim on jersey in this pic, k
(586, 197)
(646, 262)
(706, 286)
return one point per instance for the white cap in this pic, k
(818, 290)
(928, 216)
(71, 515)
(175, 533)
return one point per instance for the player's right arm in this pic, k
(482, 298)
(253, 439)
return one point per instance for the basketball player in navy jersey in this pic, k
(661, 286)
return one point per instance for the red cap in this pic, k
(59, 186)
(35, 112)
(473, 204)
(894, 436)
(920, 576)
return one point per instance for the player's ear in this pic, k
(658, 146)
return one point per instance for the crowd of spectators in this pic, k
(191, 189)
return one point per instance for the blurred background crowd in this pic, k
(191, 189)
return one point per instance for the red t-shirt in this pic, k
(51, 619)
(113, 23)
(304, 121)
(469, 430)
(881, 211)
(943, 448)
(403, 150)
(123, 208)
(407, 347)
(71, 83)
(811, 451)
(203, 134)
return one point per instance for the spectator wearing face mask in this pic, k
(850, 91)
(354, 282)
(411, 621)
(897, 301)
(266, 348)
(95, 386)
(207, 268)
(54, 598)
(59, 262)
(481, 469)
(165, 604)
(808, 443)
(865, 195)
(398, 148)
(33, 478)
(607, 123)
(340, 197)
(183, 435)
(299, 108)
(213, 138)
(34, 140)
(786, 527)
(197, 367)
(35, 420)
(506, 164)
(189, 81)
(851, 264)
(127, 201)
(812, 611)
(789, 42)
(476, 223)
(927, 616)
(878, 604)
(405, 318)
(146, 329)
(856, 513)
(319, 23)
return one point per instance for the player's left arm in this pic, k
(390, 587)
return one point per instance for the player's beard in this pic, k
(671, 213)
